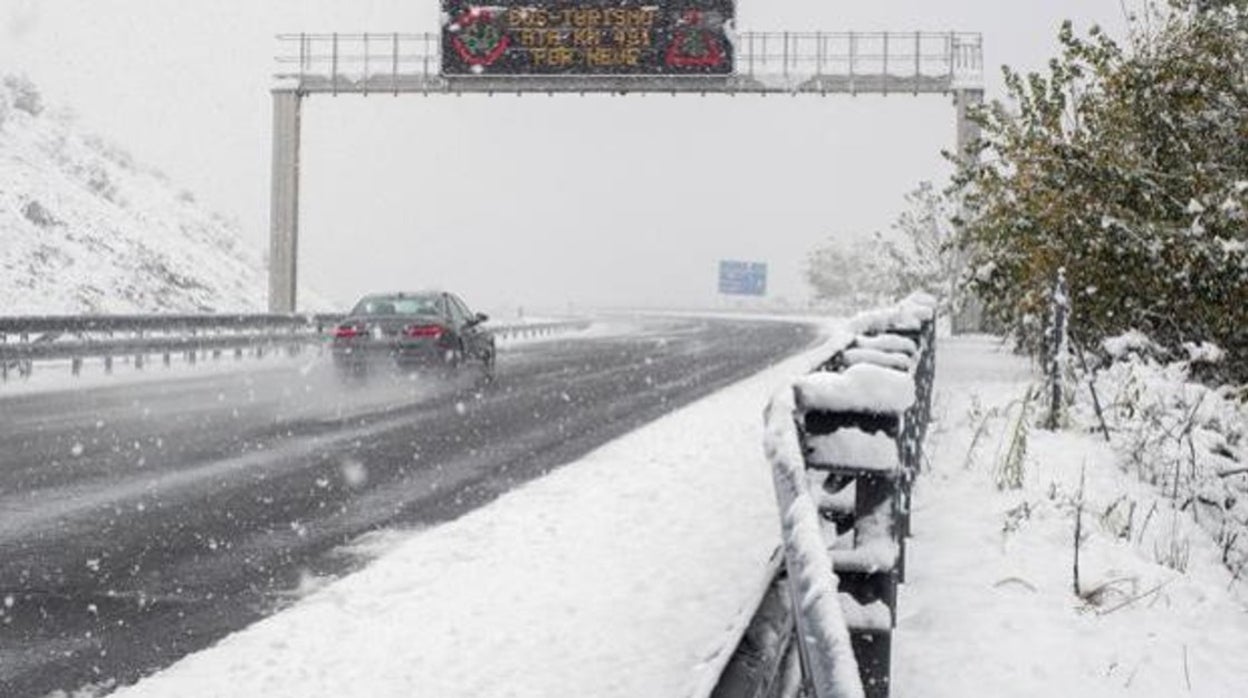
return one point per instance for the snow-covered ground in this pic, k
(84, 228)
(624, 573)
(990, 608)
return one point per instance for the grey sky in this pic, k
(536, 201)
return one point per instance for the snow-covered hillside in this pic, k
(85, 229)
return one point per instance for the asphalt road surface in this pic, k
(141, 522)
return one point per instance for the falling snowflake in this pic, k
(354, 473)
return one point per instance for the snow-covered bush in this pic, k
(1185, 438)
(23, 94)
(1128, 166)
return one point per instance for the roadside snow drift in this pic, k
(989, 606)
(85, 229)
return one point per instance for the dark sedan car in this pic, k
(430, 329)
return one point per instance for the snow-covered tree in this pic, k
(916, 254)
(920, 250)
(1128, 166)
(848, 272)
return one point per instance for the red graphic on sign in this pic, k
(693, 45)
(480, 39)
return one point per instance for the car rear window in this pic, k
(396, 305)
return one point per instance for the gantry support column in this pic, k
(968, 131)
(284, 202)
(968, 311)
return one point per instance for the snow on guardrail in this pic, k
(845, 443)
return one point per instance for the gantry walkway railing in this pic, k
(765, 62)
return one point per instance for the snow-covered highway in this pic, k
(146, 521)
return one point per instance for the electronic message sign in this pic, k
(587, 38)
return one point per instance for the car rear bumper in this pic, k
(404, 354)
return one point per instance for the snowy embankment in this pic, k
(86, 229)
(622, 574)
(990, 608)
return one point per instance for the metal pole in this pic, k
(853, 49)
(333, 72)
(918, 53)
(949, 42)
(365, 64)
(821, 52)
(284, 201)
(785, 57)
(303, 56)
(394, 63)
(884, 77)
(751, 68)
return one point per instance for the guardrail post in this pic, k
(884, 72)
(333, 73)
(139, 356)
(365, 81)
(750, 63)
(428, 53)
(853, 52)
(1056, 348)
(24, 366)
(918, 58)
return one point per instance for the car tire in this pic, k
(488, 360)
(453, 358)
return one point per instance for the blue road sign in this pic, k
(743, 278)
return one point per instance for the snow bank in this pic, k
(989, 606)
(1187, 438)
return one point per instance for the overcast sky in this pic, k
(534, 201)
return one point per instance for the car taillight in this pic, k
(346, 332)
(434, 331)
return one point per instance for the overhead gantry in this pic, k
(763, 63)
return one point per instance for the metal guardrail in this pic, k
(856, 427)
(810, 62)
(25, 341)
